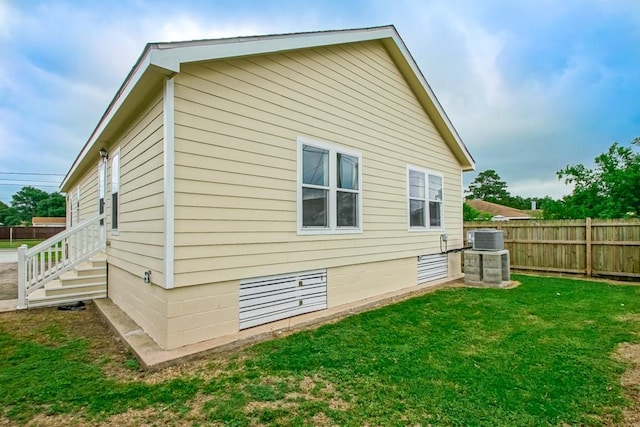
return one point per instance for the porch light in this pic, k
(103, 153)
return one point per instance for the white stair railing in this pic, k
(58, 254)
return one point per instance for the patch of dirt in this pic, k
(41, 420)
(314, 389)
(512, 284)
(321, 420)
(630, 353)
(50, 326)
(8, 281)
(105, 346)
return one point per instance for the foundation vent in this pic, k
(267, 299)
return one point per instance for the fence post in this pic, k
(22, 277)
(588, 246)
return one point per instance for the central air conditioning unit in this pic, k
(488, 240)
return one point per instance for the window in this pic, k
(78, 204)
(329, 188)
(102, 168)
(425, 199)
(70, 208)
(115, 190)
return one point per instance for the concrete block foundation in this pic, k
(487, 268)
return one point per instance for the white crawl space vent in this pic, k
(432, 267)
(271, 298)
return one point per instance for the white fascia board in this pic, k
(172, 57)
(106, 118)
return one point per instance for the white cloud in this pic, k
(7, 19)
(483, 49)
(539, 188)
(188, 27)
(67, 59)
(518, 114)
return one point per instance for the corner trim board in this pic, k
(169, 181)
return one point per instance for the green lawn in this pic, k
(537, 355)
(6, 244)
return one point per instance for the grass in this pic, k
(540, 354)
(6, 244)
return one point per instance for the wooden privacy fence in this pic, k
(18, 233)
(599, 247)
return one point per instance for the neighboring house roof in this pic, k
(161, 60)
(498, 210)
(48, 221)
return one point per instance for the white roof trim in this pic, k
(423, 82)
(170, 56)
(139, 69)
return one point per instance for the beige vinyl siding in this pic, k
(237, 123)
(138, 245)
(88, 185)
(89, 194)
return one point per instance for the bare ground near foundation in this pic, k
(8, 281)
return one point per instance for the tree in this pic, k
(610, 190)
(55, 205)
(4, 212)
(25, 202)
(8, 215)
(488, 186)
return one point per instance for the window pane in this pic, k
(435, 188)
(347, 209)
(115, 173)
(115, 189)
(315, 207)
(347, 172)
(101, 179)
(416, 214)
(435, 214)
(315, 166)
(416, 184)
(114, 211)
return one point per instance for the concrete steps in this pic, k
(87, 281)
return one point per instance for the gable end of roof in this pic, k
(161, 60)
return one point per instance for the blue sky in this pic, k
(531, 86)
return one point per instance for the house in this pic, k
(38, 221)
(235, 182)
(499, 212)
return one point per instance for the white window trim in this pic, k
(116, 152)
(70, 209)
(78, 204)
(102, 182)
(427, 226)
(333, 220)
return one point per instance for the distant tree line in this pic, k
(30, 202)
(610, 190)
